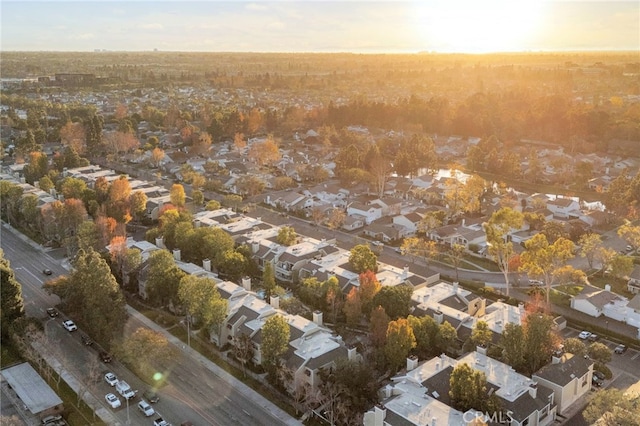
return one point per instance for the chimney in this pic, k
(352, 352)
(434, 421)
(206, 265)
(255, 246)
(481, 350)
(438, 316)
(160, 242)
(317, 317)
(275, 302)
(405, 273)
(176, 254)
(607, 287)
(412, 363)
(455, 287)
(246, 283)
(380, 414)
(533, 390)
(387, 391)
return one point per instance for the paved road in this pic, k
(192, 390)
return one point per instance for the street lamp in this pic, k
(188, 330)
(128, 419)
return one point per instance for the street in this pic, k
(191, 391)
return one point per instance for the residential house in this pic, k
(568, 376)
(351, 223)
(457, 234)
(291, 202)
(385, 232)
(633, 285)
(564, 207)
(409, 222)
(367, 211)
(312, 347)
(421, 395)
(593, 301)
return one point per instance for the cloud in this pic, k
(152, 26)
(256, 7)
(84, 36)
(276, 25)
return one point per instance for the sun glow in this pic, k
(476, 26)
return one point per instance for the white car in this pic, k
(111, 379)
(69, 325)
(113, 400)
(584, 335)
(146, 408)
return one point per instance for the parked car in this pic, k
(52, 420)
(535, 282)
(151, 396)
(86, 340)
(584, 335)
(629, 248)
(593, 337)
(69, 325)
(52, 312)
(146, 408)
(104, 357)
(599, 374)
(160, 422)
(47, 271)
(620, 349)
(596, 381)
(111, 379)
(112, 400)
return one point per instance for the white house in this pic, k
(592, 300)
(568, 376)
(368, 212)
(564, 207)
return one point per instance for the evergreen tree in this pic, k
(11, 303)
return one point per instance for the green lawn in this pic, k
(562, 299)
(570, 289)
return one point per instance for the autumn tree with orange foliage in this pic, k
(107, 229)
(118, 205)
(73, 135)
(369, 287)
(264, 153)
(120, 142)
(378, 325)
(353, 307)
(239, 142)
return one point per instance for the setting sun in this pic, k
(478, 27)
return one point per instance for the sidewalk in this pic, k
(238, 385)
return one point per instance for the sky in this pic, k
(468, 26)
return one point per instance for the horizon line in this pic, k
(422, 52)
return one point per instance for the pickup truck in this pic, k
(124, 389)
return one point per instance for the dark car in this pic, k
(47, 271)
(104, 357)
(151, 396)
(593, 337)
(86, 340)
(52, 312)
(596, 381)
(620, 349)
(599, 374)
